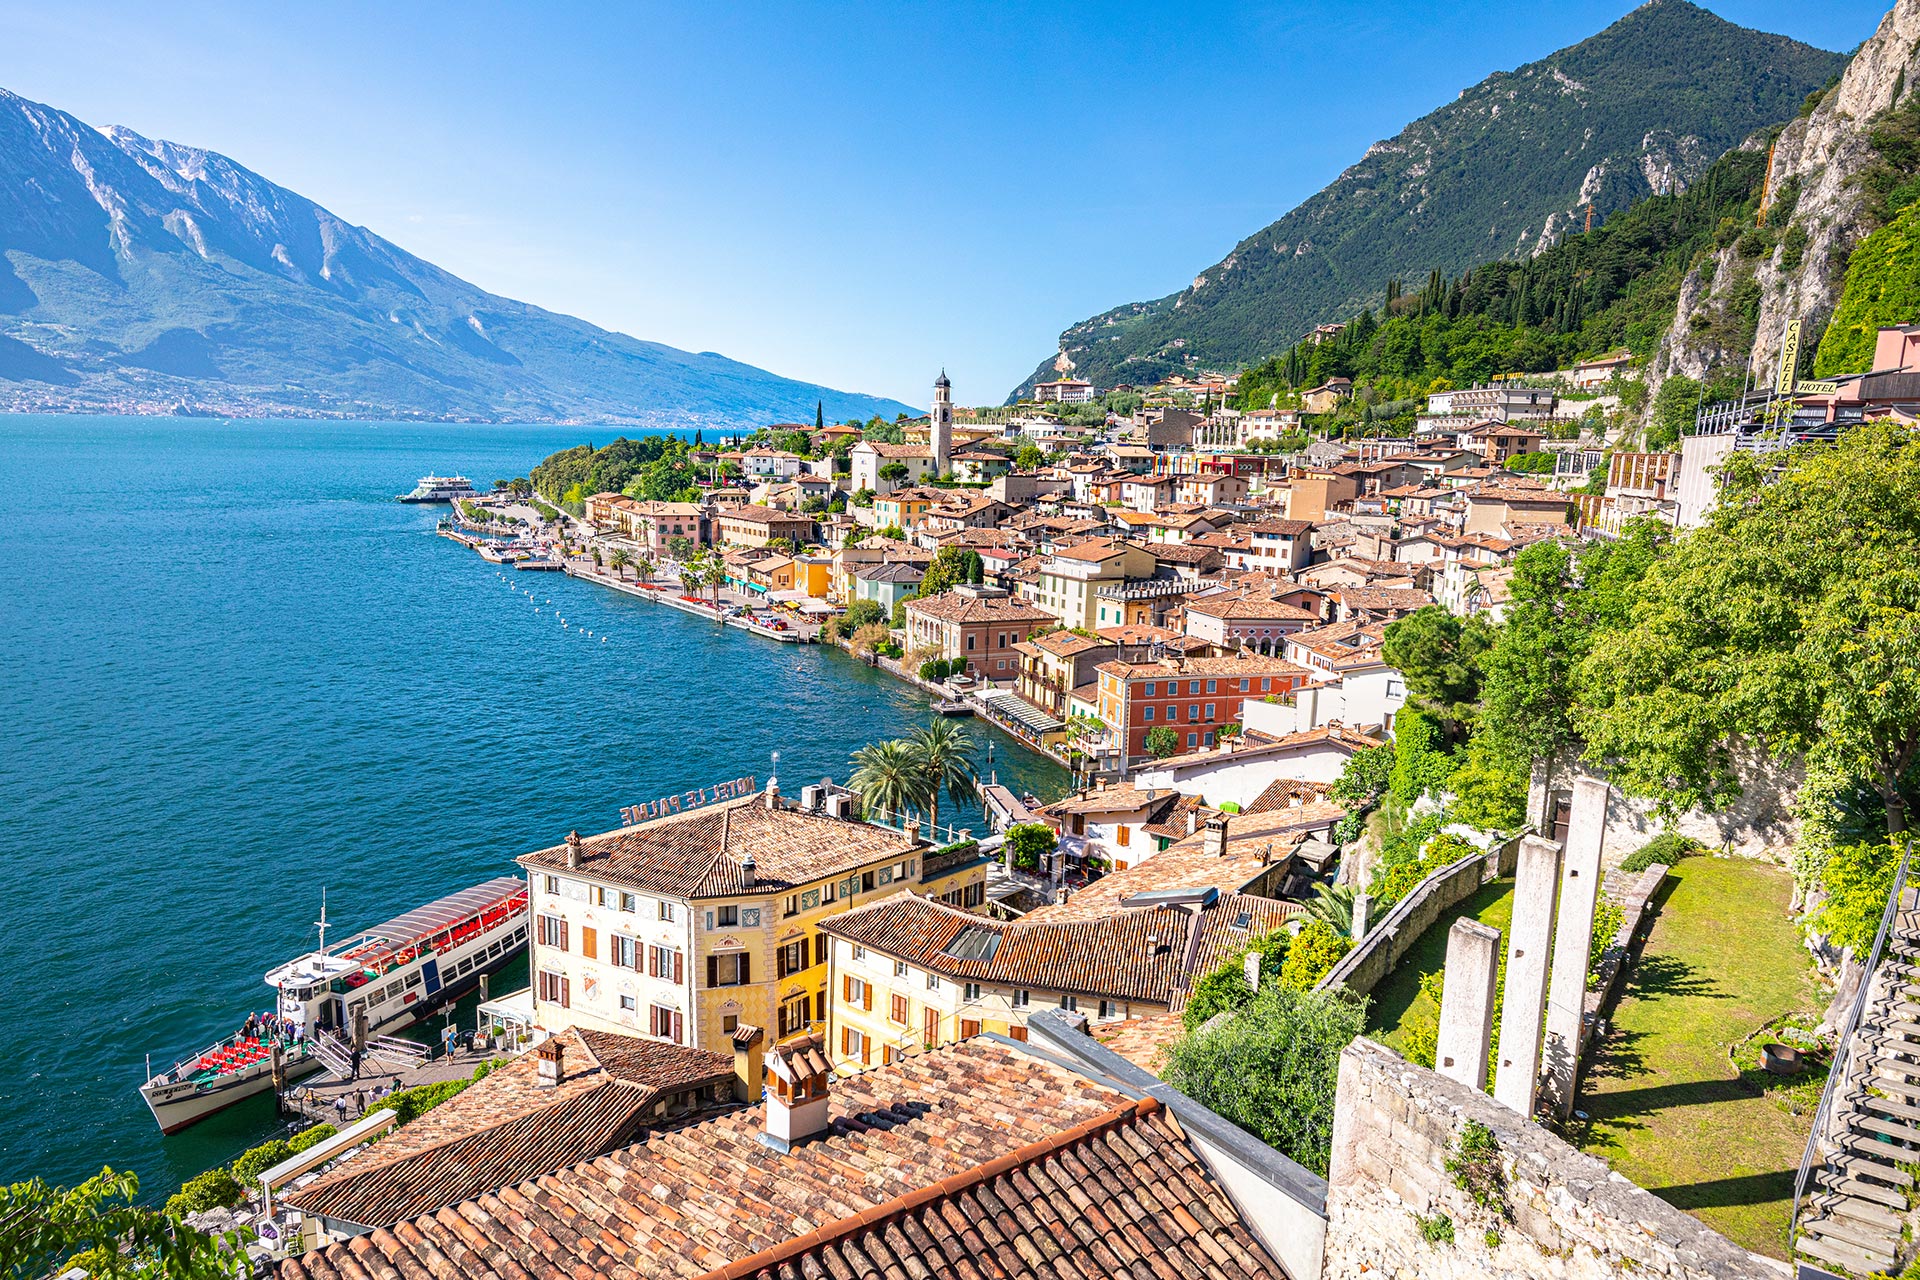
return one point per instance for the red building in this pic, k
(1191, 696)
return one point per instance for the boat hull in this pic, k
(175, 1107)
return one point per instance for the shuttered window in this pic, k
(589, 942)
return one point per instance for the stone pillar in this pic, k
(1466, 1003)
(1250, 964)
(1536, 886)
(1360, 908)
(1573, 940)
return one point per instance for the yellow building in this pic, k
(905, 508)
(704, 912)
(905, 973)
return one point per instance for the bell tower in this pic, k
(942, 425)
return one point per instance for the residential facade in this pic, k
(983, 625)
(684, 927)
(1191, 696)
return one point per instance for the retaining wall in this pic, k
(1395, 1127)
(1389, 939)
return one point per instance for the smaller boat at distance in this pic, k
(440, 489)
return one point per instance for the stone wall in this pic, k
(1760, 823)
(1395, 1127)
(1394, 934)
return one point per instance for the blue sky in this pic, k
(855, 195)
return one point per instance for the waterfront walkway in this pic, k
(340, 1102)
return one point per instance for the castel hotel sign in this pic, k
(694, 799)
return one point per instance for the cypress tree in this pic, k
(819, 414)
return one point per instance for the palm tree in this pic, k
(888, 777)
(620, 560)
(643, 566)
(941, 750)
(1332, 905)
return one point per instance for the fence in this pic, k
(1838, 1072)
(1364, 967)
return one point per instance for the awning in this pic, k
(815, 606)
(1013, 707)
(788, 597)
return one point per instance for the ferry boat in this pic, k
(394, 974)
(440, 489)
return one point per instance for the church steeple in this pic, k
(942, 425)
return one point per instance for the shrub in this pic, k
(1031, 842)
(411, 1104)
(217, 1188)
(1226, 986)
(861, 613)
(1161, 742)
(1363, 777)
(1420, 764)
(257, 1160)
(1437, 1230)
(306, 1138)
(1608, 916)
(1477, 1170)
(1272, 1068)
(1314, 950)
(1667, 849)
(1858, 878)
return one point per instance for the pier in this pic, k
(341, 1101)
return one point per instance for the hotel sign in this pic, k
(694, 799)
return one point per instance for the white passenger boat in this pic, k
(394, 975)
(440, 489)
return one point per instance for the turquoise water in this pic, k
(237, 672)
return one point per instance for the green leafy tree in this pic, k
(1272, 1068)
(951, 566)
(1673, 411)
(1161, 742)
(1439, 654)
(894, 471)
(1420, 761)
(1489, 789)
(1029, 457)
(1363, 778)
(861, 613)
(681, 548)
(44, 1228)
(1789, 623)
(1032, 844)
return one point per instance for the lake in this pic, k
(238, 673)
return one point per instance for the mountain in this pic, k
(1843, 172)
(1642, 107)
(148, 277)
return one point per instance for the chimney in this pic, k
(550, 1065)
(747, 1069)
(1193, 821)
(573, 850)
(796, 1089)
(748, 868)
(1215, 841)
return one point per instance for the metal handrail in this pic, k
(1843, 1053)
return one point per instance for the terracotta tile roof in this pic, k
(1138, 955)
(1137, 633)
(1255, 745)
(1372, 597)
(699, 853)
(1280, 528)
(507, 1128)
(1186, 553)
(1063, 644)
(1179, 866)
(1283, 793)
(1121, 798)
(1241, 665)
(1095, 551)
(896, 450)
(951, 606)
(765, 515)
(1016, 1160)
(1249, 604)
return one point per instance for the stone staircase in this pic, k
(1859, 1198)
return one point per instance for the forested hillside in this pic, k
(1643, 107)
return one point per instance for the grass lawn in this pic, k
(1665, 1106)
(1400, 994)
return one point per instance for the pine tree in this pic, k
(819, 414)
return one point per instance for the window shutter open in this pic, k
(819, 948)
(866, 997)
(746, 969)
(713, 971)
(566, 994)
(679, 969)
(563, 935)
(846, 988)
(866, 1050)
(677, 1025)
(653, 962)
(846, 1040)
